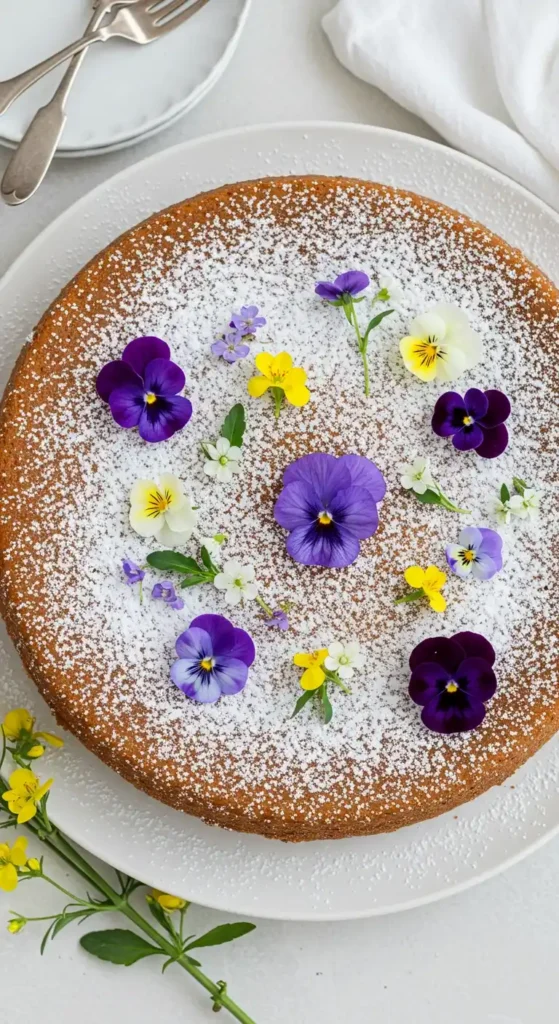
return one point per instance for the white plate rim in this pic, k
(243, 133)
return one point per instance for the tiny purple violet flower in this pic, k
(166, 592)
(132, 572)
(277, 620)
(142, 390)
(213, 659)
(247, 321)
(476, 421)
(344, 288)
(451, 679)
(477, 554)
(329, 506)
(230, 347)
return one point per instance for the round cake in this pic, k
(102, 658)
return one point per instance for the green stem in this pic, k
(265, 607)
(366, 371)
(75, 899)
(451, 507)
(334, 677)
(414, 596)
(278, 399)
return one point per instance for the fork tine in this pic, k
(162, 19)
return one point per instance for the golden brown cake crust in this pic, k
(51, 417)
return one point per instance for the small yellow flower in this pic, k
(430, 582)
(25, 793)
(314, 675)
(18, 725)
(34, 864)
(11, 858)
(278, 372)
(16, 924)
(168, 902)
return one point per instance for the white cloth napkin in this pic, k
(482, 73)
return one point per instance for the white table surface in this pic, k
(488, 956)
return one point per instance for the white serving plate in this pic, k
(246, 874)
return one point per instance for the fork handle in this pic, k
(14, 87)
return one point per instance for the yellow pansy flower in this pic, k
(279, 374)
(162, 510)
(11, 858)
(314, 674)
(25, 793)
(168, 902)
(429, 582)
(18, 725)
(441, 344)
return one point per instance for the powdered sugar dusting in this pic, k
(81, 620)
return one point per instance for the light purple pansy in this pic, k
(476, 421)
(328, 504)
(166, 592)
(478, 553)
(214, 659)
(451, 679)
(132, 572)
(142, 390)
(344, 288)
(277, 620)
(230, 347)
(247, 320)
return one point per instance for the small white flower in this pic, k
(416, 476)
(502, 512)
(213, 547)
(441, 344)
(527, 505)
(344, 658)
(391, 287)
(237, 582)
(162, 510)
(223, 460)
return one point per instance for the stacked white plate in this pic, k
(123, 92)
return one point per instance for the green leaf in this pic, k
(376, 321)
(191, 960)
(205, 556)
(46, 937)
(172, 561)
(223, 933)
(519, 485)
(118, 946)
(233, 427)
(505, 494)
(192, 581)
(326, 705)
(75, 915)
(429, 498)
(306, 696)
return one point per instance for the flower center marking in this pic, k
(150, 398)
(207, 664)
(428, 351)
(325, 519)
(468, 556)
(468, 420)
(223, 460)
(343, 659)
(451, 686)
(239, 583)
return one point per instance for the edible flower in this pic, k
(25, 793)
(223, 460)
(277, 620)
(15, 924)
(345, 287)
(477, 554)
(332, 664)
(214, 659)
(166, 901)
(237, 582)
(132, 572)
(283, 379)
(417, 477)
(12, 858)
(441, 344)
(328, 504)
(344, 658)
(476, 421)
(390, 290)
(525, 504)
(230, 347)
(166, 592)
(213, 546)
(451, 679)
(314, 674)
(247, 321)
(425, 583)
(18, 727)
(162, 510)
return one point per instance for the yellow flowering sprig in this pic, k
(23, 742)
(315, 679)
(426, 583)
(282, 379)
(25, 801)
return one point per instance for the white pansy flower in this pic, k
(527, 505)
(222, 460)
(237, 582)
(441, 344)
(213, 547)
(391, 289)
(162, 510)
(344, 658)
(502, 512)
(416, 476)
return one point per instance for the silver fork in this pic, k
(143, 23)
(31, 160)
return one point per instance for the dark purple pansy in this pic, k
(166, 592)
(277, 620)
(142, 390)
(132, 572)
(329, 506)
(451, 679)
(214, 659)
(344, 288)
(476, 421)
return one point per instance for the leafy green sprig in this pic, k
(348, 305)
(320, 695)
(232, 429)
(434, 496)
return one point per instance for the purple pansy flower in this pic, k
(477, 554)
(329, 506)
(230, 347)
(166, 592)
(277, 620)
(142, 390)
(247, 321)
(345, 287)
(214, 659)
(132, 572)
(476, 421)
(451, 679)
